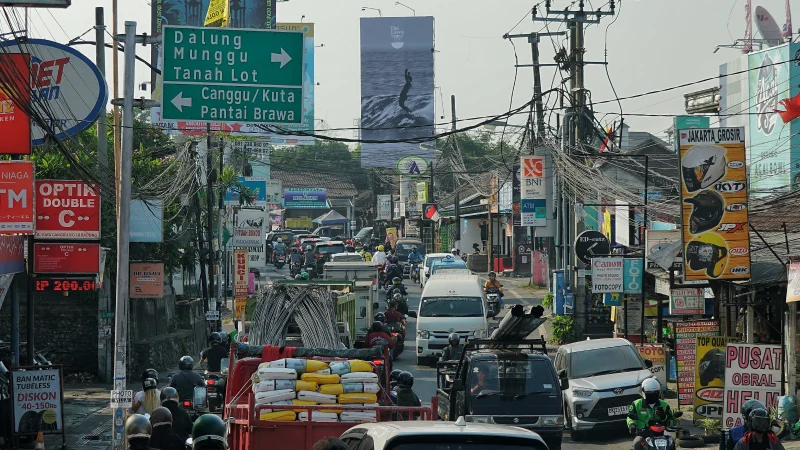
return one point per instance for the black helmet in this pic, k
(395, 259)
(707, 210)
(492, 274)
(138, 427)
(160, 416)
(454, 337)
(186, 363)
(150, 373)
(215, 338)
(396, 280)
(405, 379)
(758, 420)
(395, 374)
(349, 249)
(377, 327)
(747, 408)
(209, 427)
(294, 249)
(169, 394)
(149, 384)
(380, 317)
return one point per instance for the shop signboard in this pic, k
(12, 254)
(658, 356)
(298, 223)
(67, 209)
(305, 198)
(607, 275)
(147, 220)
(385, 207)
(15, 123)
(793, 279)
(240, 271)
(240, 304)
(73, 259)
(633, 276)
(752, 372)
(250, 232)
(257, 187)
(686, 334)
(274, 191)
(709, 377)
(533, 191)
(687, 301)
(147, 280)
(16, 197)
(657, 240)
(716, 241)
(37, 394)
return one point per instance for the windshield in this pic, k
(432, 259)
(450, 265)
(451, 307)
(328, 249)
(404, 248)
(602, 361)
(285, 237)
(463, 441)
(362, 233)
(513, 378)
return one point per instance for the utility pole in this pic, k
(123, 234)
(210, 212)
(457, 205)
(115, 70)
(100, 56)
(199, 229)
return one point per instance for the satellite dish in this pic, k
(769, 29)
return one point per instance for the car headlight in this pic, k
(583, 392)
(479, 334)
(423, 334)
(552, 421)
(478, 419)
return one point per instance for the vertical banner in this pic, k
(714, 204)
(686, 334)
(533, 191)
(247, 222)
(240, 271)
(384, 207)
(752, 372)
(240, 304)
(397, 89)
(793, 278)
(658, 356)
(634, 273)
(15, 93)
(709, 377)
(622, 223)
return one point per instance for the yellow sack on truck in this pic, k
(354, 365)
(298, 365)
(357, 398)
(304, 403)
(349, 388)
(320, 378)
(301, 385)
(279, 416)
(334, 411)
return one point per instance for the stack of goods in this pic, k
(307, 382)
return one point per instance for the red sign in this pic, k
(67, 210)
(15, 96)
(240, 272)
(66, 258)
(16, 197)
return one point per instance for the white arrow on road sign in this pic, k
(180, 101)
(281, 57)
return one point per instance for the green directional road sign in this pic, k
(233, 75)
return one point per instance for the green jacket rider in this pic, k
(645, 408)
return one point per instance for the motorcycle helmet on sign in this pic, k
(702, 166)
(712, 367)
(708, 252)
(707, 210)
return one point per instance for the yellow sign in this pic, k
(227, 322)
(709, 377)
(298, 223)
(714, 204)
(305, 27)
(391, 236)
(422, 192)
(218, 14)
(240, 303)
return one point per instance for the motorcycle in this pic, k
(493, 300)
(311, 269)
(294, 269)
(395, 330)
(657, 436)
(381, 277)
(215, 388)
(280, 260)
(414, 273)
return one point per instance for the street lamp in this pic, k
(412, 9)
(364, 8)
(302, 18)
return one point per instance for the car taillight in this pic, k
(377, 362)
(187, 403)
(318, 255)
(210, 382)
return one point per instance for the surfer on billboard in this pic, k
(404, 93)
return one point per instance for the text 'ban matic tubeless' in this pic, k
(227, 75)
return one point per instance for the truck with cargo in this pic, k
(363, 276)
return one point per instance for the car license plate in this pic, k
(618, 411)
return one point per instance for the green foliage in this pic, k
(709, 424)
(547, 301)
(563, 328)
(324, 157)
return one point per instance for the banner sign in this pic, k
(714, 204)
(247, 237)
(274, 191)
(12, 254)
(147, 221)
(385, 207)
(305, 198)
(687, 301)
(397, 91)
(38, 401)
(248, 222)
(73, 259)
(5, 284)
(686, 334)
(240, 304)
(298, 223)
(240, 271)
(257, 187)
(752, 372)
(275, 216)
(793, 278)
(658, 355)
(634, 274)
(709, 377)
(67, 210)
(147, 280)
(607, 274)
(16, 197)
(257, 152)
(533, 191)
(15, 124)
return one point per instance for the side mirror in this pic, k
(412, 314)
(363, 312)
(457, 385)
(677, 414)
(648, 363)
(564, 383)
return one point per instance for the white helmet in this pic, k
(452, 250)
(703, 166)
(650, 386)
(280, 240)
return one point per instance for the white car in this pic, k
(605, 377)
(346, 257)
(429, 435)
(427, 263)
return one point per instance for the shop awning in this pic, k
(330, 218)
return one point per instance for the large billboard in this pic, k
(716, 243)
(397, 89)
(774, 147)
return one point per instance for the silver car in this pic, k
(605, 376)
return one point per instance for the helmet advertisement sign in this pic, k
(714, 204)
(709, 377)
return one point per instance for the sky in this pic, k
(652, 44)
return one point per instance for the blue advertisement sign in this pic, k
(614, 299)
(305, 198)
(147, 221)
(633, 274)
(536, 206)
(256, 185)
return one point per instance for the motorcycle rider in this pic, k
(150, 398)
(377, 334)
(393, 378)
(738, 431)
(405, 395)
(139, 396)
(186, 380)
(649, 407)
(493, 283)
(379, 257)
(214, 354)
(364, 253)
(394, 269)
(163, 436)
(453, 351)
(310, 259)
(137, 432)
(181, 422)
(278, 249)
(208, 432)
(760, 436)
(395, 316)
(414, 257)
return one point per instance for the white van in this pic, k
(451, 302)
